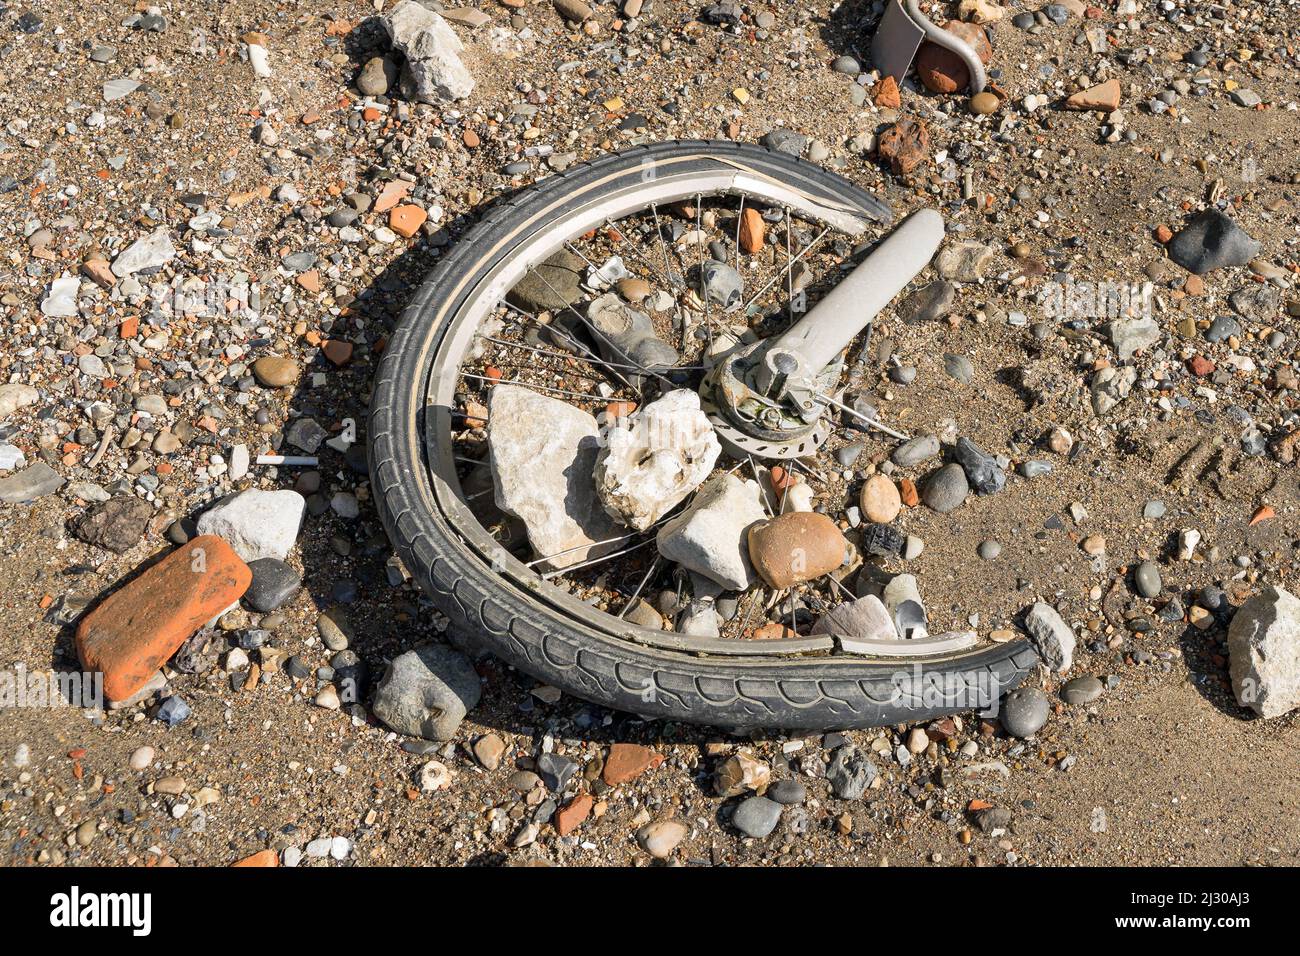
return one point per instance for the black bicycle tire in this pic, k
(804, 693)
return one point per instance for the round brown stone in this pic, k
(634, 289)
(880, 499)
(796, 546)
(272, 371)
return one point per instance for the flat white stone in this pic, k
(256, 523)
(543, 452)
(150, 252)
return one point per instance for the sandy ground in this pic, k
(1166, 769)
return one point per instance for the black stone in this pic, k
(981, 468)
(274, 583)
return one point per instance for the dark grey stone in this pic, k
(788, 792)
(274, 582)
(1024, 711)
(1211, 240)
(757, 817)
(982, 471)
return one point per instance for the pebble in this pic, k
(879, 499)
(795, 547)
(661, 837)
(1146, 578)
(272, 371)
(757, 817)
(915, 451)
(1211, 240)
(788, 792)
(1082, 690)
(982, 471)
(1024, 711)
(946, 489)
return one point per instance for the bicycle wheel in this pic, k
(663, 209)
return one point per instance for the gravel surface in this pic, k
(209, 231)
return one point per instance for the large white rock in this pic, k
(655, 458)
(256, 523)
(434, 69)
(709, 536)
(543, 452)
(1264, 653)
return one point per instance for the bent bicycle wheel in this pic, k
(662, 214)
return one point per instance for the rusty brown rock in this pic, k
(796, 546)
(905, 145)
(943, 71)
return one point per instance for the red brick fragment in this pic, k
(135, 630)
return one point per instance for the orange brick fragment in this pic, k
(135, 630)
(1262, 514)
(752, 231)
(569, 817)
(394, 191)
(907, 492)
(627, 762)
(407, 220)
(261, 858)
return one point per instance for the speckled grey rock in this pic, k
(1082, 690)
(850, 772)
(427, 692)
(915, 450)
(1051, 636)
(946, 489)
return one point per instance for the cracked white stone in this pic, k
(1264, 653)
(654, 458)
(709, 536)
(434, 72)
